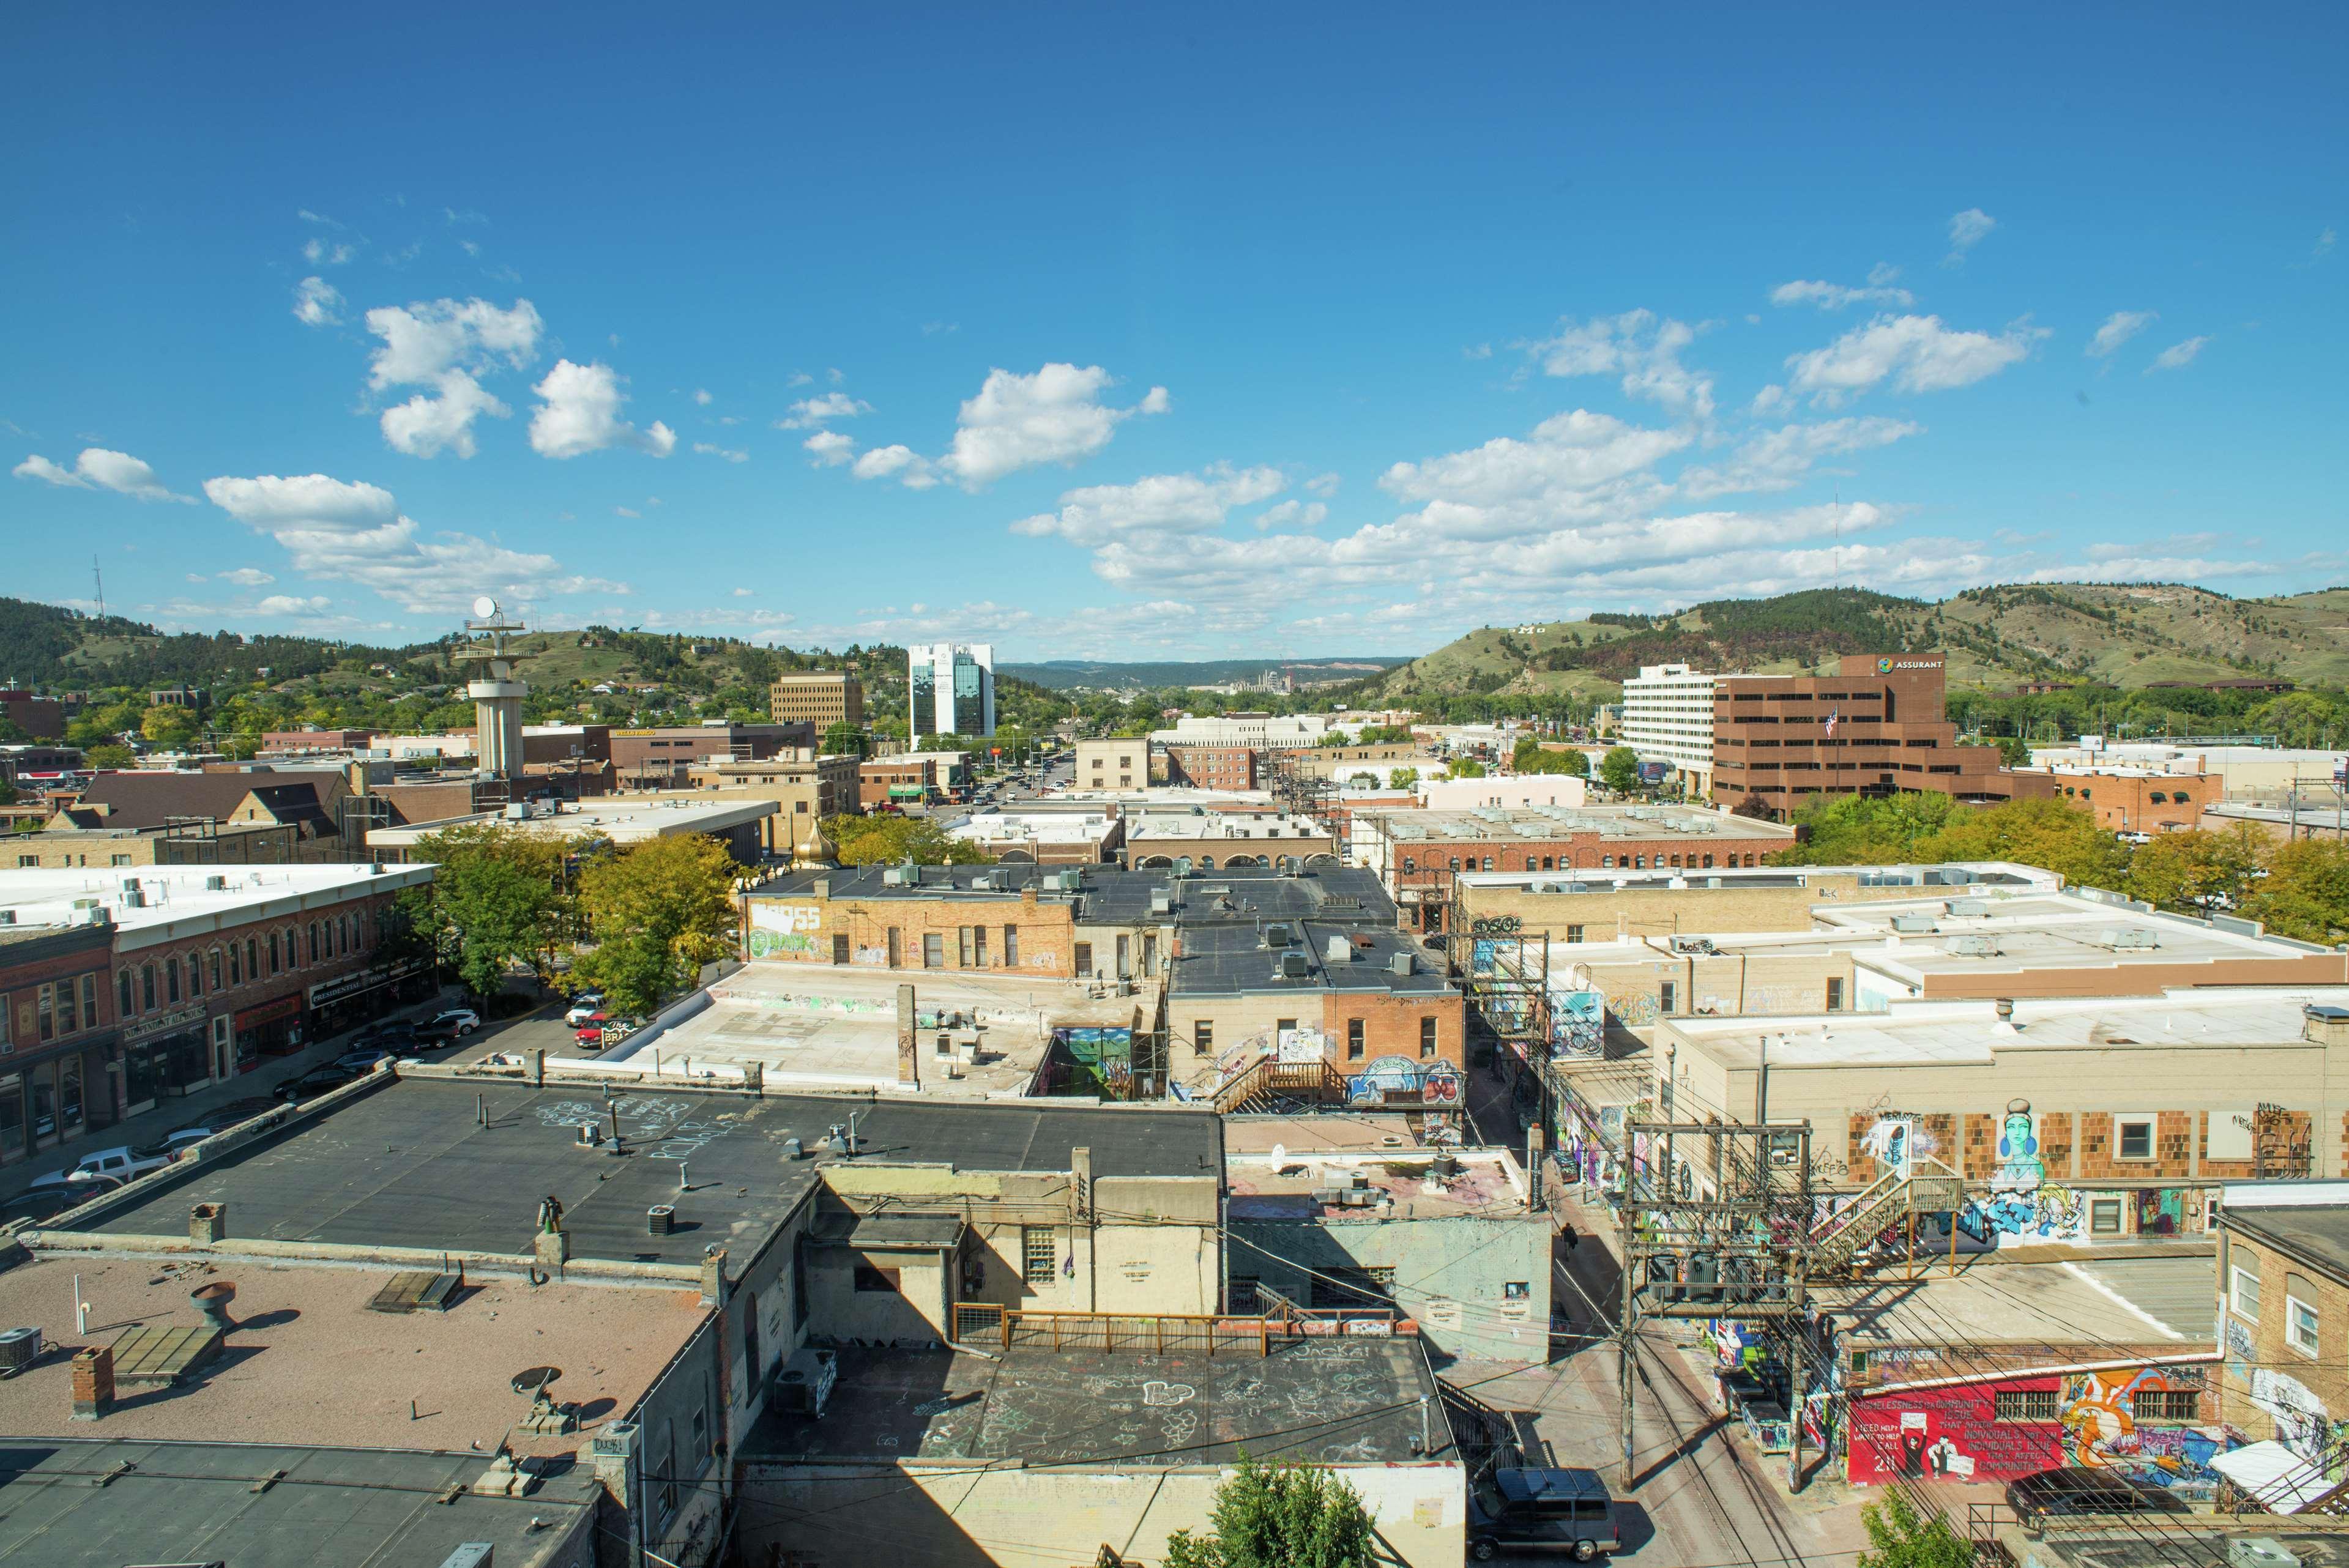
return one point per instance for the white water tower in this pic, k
(497, 695)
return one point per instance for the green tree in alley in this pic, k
(657, 912)
(497, 899)
(1279, 1516)
(1620, 770)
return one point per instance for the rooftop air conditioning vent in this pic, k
(1162, 902)
(1337, 949)
(1296, 966)
(1974, 946)
(1275, 937)
(1401, 963)
(2128, 939)
(1966, 908)
(1912, 924)
(216, 884)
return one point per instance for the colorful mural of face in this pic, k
(2019, 1166)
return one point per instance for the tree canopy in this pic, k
(1902, 1537)
(1279, 1516)
(1620, 769)
(497, 899)
(657, 912)
(889, 839)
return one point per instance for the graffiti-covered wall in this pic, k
(2155, 1424)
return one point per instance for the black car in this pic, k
(1561, 1511)
(2075, 1492)
(48, 1202)
(317, 1081)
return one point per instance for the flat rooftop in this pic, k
(1956, 876)
(818, 1026)
(408, 1166)
(1487, 824)
(151, 904)
(1232, 960)
(1351, 1401)
(2038, 930)
(1218, 826)
(1338, 894)
(202, 1502)
(1968, 1032)
(622, 818)
(1488, 1185)
(2317, 1232)
(307, 1363)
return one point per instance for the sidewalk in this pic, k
(215, 1105)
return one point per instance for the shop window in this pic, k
(1039, 1253)
(2243, 1300)
(171, 980)
(2300, 1324)
(69, 1112)
(1426, 1037)
(2168, 1404)
(1353, 1039)
(12, 1117)
(1011, 947)
(2133, 1138)
(2104, 1216)
(2024, 1405)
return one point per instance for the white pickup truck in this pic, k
(124, 1164)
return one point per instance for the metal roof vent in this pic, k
(1402, 964)
(1912, 924)
(2127, 939)
(1974, 946)
(1160, 901)
(1970, 908)
(1337, 949)
(1295, 966)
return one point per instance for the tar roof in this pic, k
(2319, 1233)
(1350, 894)
(205, 1502)
(1546, 822)
(1350, 1401)
(1232, 959)
(408, 1166)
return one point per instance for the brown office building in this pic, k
(819, 697)
(1874, 728)
(1212, 767)
(665, 758)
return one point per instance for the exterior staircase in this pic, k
(1929, 1187)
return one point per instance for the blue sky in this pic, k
(1098, 332)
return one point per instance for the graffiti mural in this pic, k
(2103, 1421)
(2302, 1424)
(2161, 1211)
(2100, 1413)
(1577, 1023)
(1385, 1078)
(2025, 1219)
(1892, 1143)
(767, 943)
(2020, 1169)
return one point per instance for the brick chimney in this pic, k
(93, 1382)
(207, 1223)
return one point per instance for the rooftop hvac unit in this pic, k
(1401, 963)
(2127, 939)
(1275, 937)
(1296, 966)
(518, 811)
(1912, 922)
(2260, 1551)
(1974, 946)
(892, 877)
(1072, 880)
(1337, 951)
(1361, 1198)
(134, 896)
(1968, 907)
(19, 1348)
(803, 1383)
(216, 884)
(1182, 865)
(1160, 901)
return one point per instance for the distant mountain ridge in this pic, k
(2127, 635)
(1060, 675)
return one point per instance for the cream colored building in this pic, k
(1668, 717)
(1120, 765)
(806, 787)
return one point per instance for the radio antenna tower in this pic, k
(98, 578)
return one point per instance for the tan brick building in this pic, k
(818, 697)
(804, 785)
(2134, 802)
(1210, 766)
(1119, 763)
(2283, 1313)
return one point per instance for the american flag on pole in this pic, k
(1835, 716)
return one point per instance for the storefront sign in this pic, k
(270, 1012)
(351, 984)
(163, 1022)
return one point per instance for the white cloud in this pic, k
(701, 396)
(446, 344)
(900, 462)
(290, 604)
(1778, 459)
(1838, 296)
(1642, 348)
(248, 576)
(811, 413)
(1323, 485)
(1053, 416)
(1916, 352)
(798, 377)
(342, 531)
(321, 252)
(711, 449)
(1162, 503)
(1769, 400)
(1967, 230)
(2118, 328)
(626, 511)
(317, 302)
(830, 449)
(581, 414)
(2324, 246)
(1292, 514)
(101, 469)
(745, 592)
(2177, 355)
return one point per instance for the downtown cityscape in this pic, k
(1084, 788)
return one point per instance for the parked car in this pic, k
(2074, 1491)
(317, 1081)
(453, 1024)
(589, 1023)
(363, 1059)
(170, 1145)
(48, 1202)
(121, 1163)
(583, 1007)
(1542, 1511)
(390, 1035)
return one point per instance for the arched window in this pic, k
(1607, 862)
(171, 980)
(2182, 797)
(1488, 862)
(276, 959)
(252, 958)
(122, 986)
(2155, 796)
(216, 969)
(146, 987)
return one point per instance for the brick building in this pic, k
(818, 697)
(2283, 1314)
(803, 784)
(664, 759)
(1873, 728)
(187, 977)
(40, 718)
(1211, 767)
(910, 778)
(2134, 800)
(1119, 763)
(1417, 851)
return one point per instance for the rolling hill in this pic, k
(2123, 635)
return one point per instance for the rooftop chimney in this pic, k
(93, 1382)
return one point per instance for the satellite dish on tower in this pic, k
(485, 608)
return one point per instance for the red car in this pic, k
(591, 1033)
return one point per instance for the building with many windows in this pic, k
(951, 688)
(819, 697)
(1668, 717)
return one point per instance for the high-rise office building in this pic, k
(951, 688)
